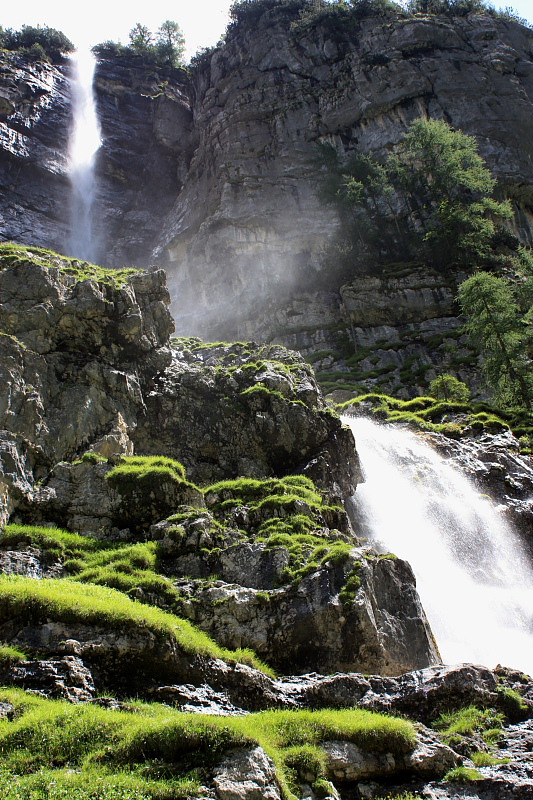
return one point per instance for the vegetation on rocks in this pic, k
(152, 751)
(39, 43)
(450, 418)
(165, 48)
(73, 602)
(12, 254)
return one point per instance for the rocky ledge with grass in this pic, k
(166, 505)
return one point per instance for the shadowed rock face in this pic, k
(34, 126)
(147, 141)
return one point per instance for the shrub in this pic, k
(449, 388)
(39, 42)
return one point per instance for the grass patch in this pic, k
(12, 254)
(484, 759)
(463, 775)
(152, 751)
(10, 655)
(72, 602)
(55, 542)
(90, 458)
(426, 413)
(283, 512)
(467, 721)
(140, 471)
(249, 491)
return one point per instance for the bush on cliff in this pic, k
(163, 49)
(430, 199)
(41, 42)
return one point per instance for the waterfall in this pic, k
(84, 142)
(473, 576)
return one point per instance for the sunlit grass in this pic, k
(72, 602)
(153, 752)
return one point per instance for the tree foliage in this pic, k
(164, 48)
(502, 334)
(429, 200)
(41, 42)
(450, 389)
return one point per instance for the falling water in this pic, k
(473, 576)
(84, 142)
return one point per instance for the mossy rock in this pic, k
(151, 488)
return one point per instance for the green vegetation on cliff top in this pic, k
(150, 751)
(12, 254)
(452, 419)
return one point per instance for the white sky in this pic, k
(87, 22)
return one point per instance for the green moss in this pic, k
(253, 492)
(90, 458)
(14, 254)
(12, 338)
(513, 704)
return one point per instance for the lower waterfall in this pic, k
(473, 576)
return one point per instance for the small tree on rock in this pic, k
(170, 43)
(450, 389)
(140, 38)
(501, 334)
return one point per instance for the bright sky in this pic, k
(91, 21)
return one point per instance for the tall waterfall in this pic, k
(473, 576)
(84, 142)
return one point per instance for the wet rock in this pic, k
(67, 678)
(198, 699)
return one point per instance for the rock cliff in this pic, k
(147, 141)
(34, 127)
(213, 174)
(109, 551)
(248, 233)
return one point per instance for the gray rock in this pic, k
(246, 774)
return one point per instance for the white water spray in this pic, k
(84, 142)
(474, 578)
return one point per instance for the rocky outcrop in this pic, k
(496, 466)
(92, 382)
(34, 127)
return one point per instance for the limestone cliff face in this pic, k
(34, 127)
(147, 140)
(247, 232)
